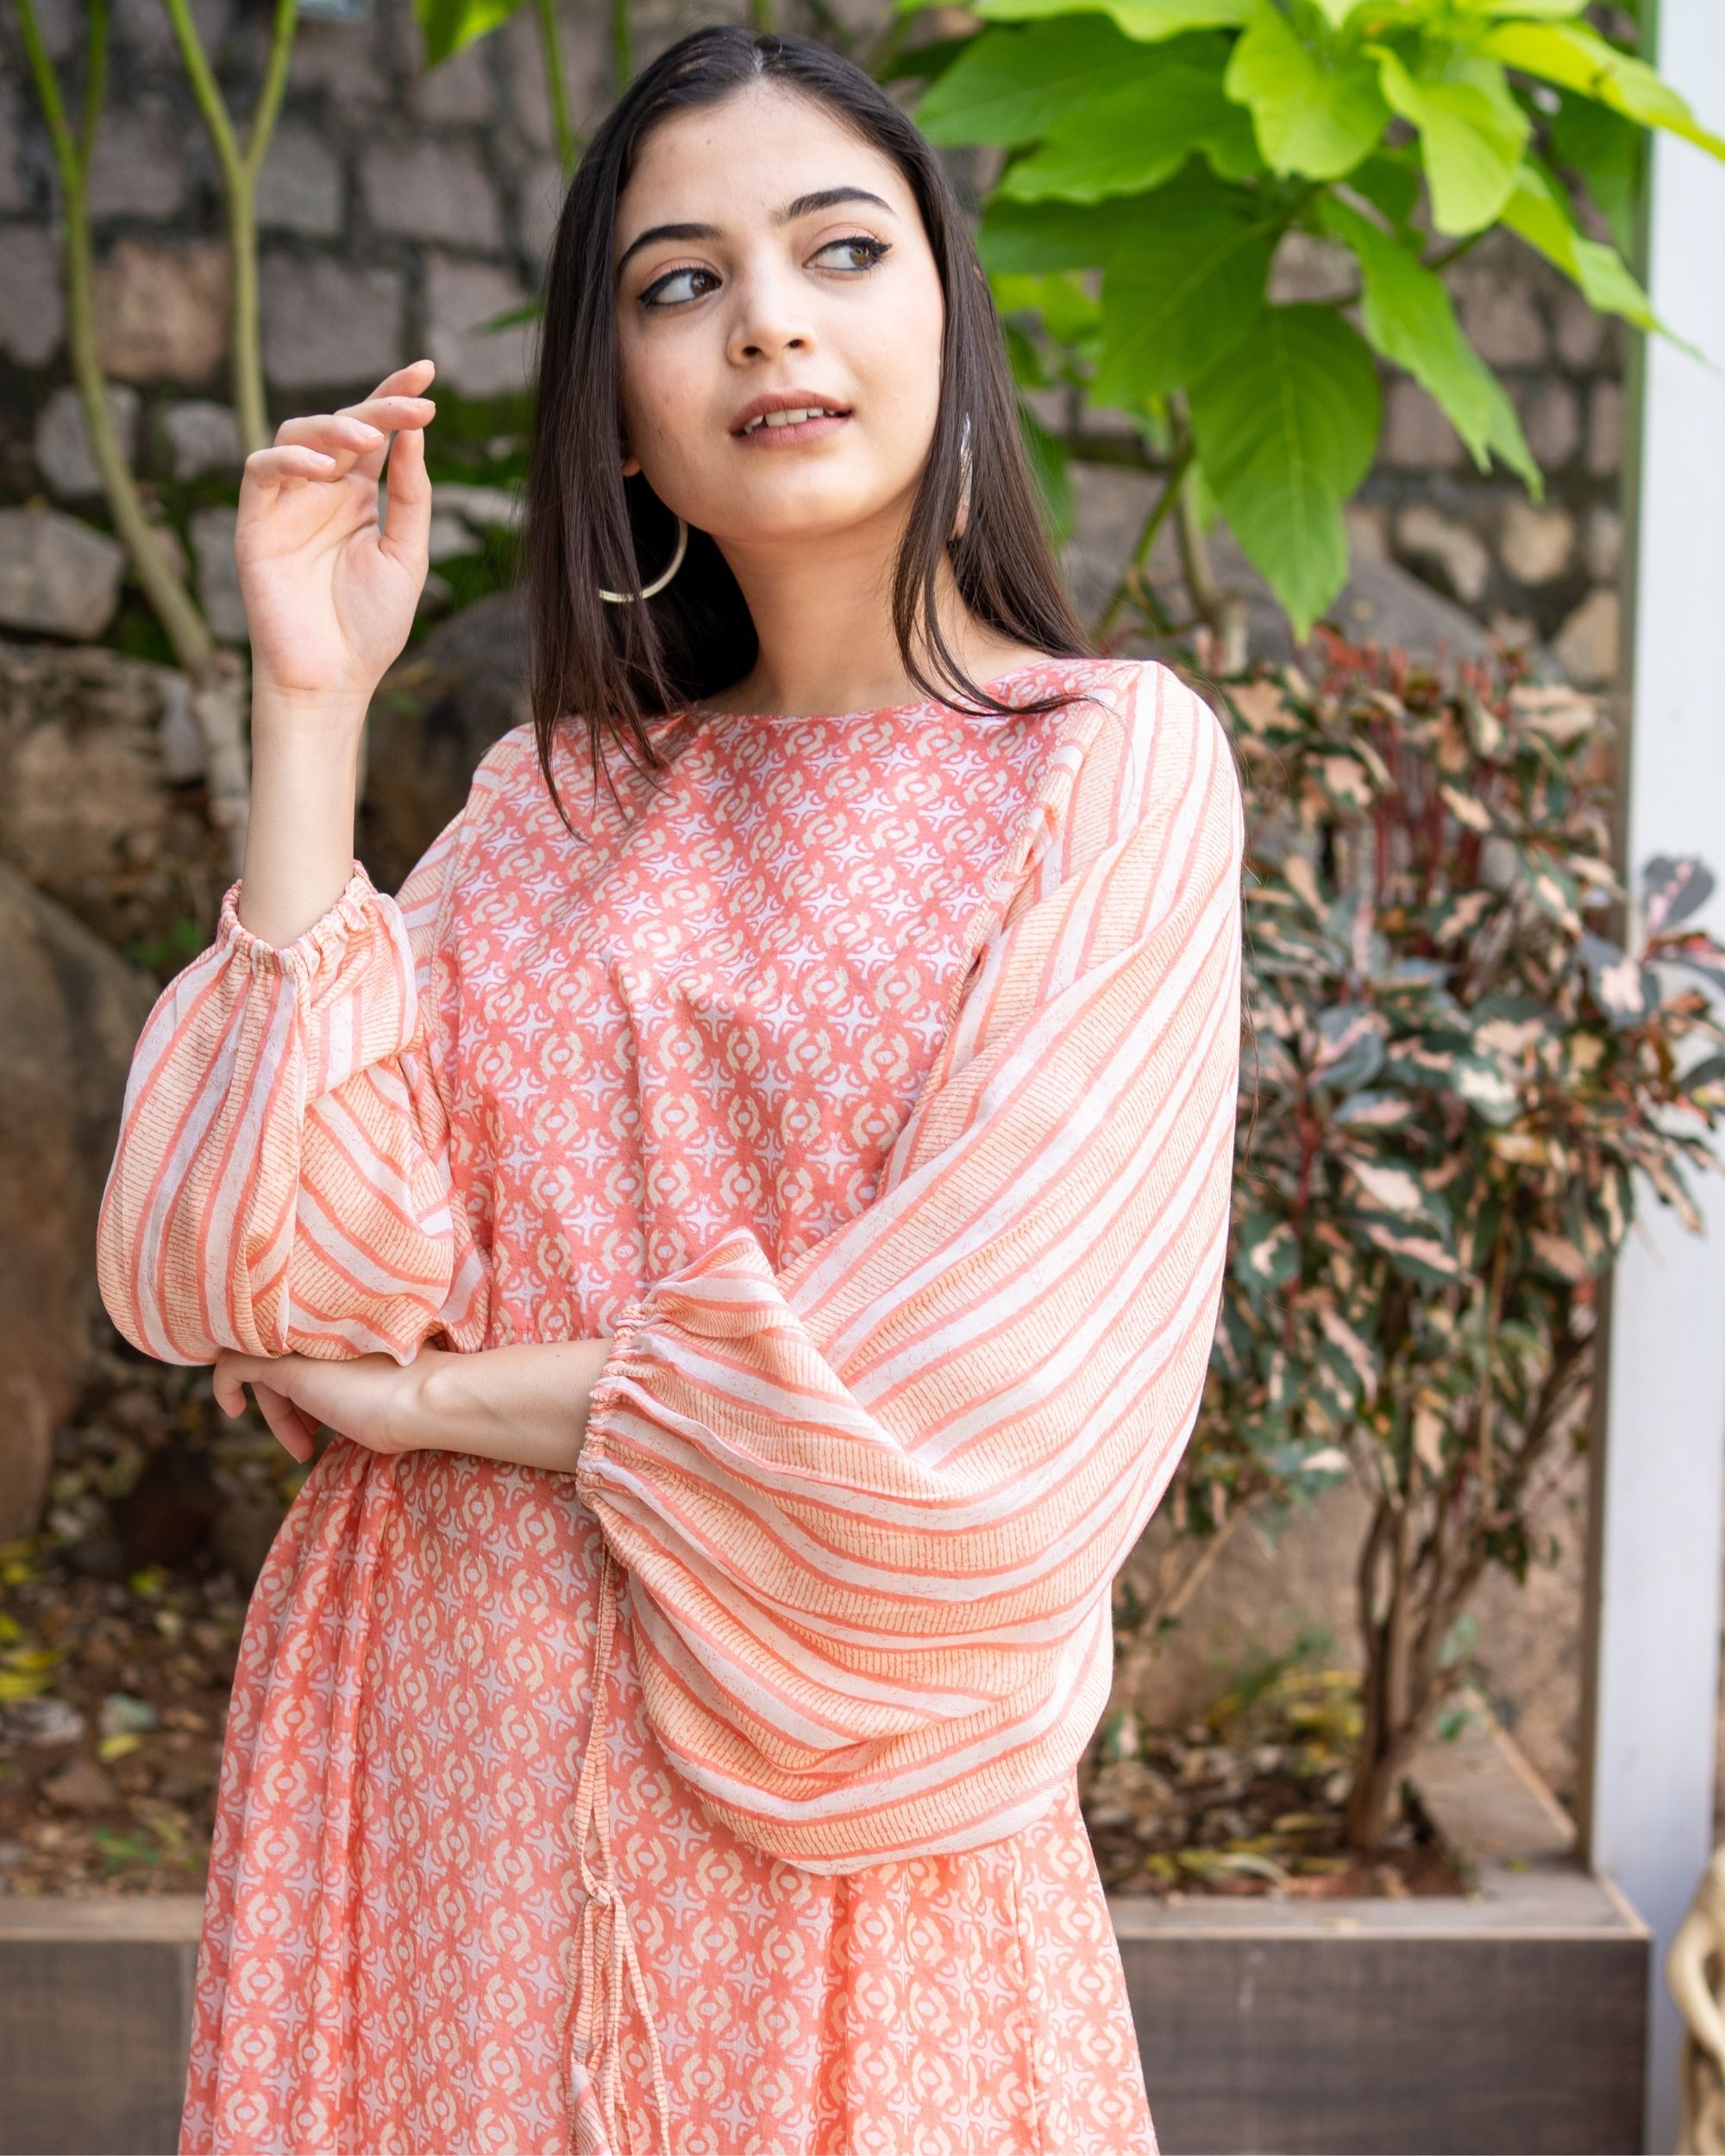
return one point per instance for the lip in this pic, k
(832, 415)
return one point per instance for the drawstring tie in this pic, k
(604, 1907)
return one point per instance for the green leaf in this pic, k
(1312, 114)
(1536, 210)
(1473, 134)
(448, 25)
(1133, 136)
(1031, 239)
(1009, 86)
(1064, 307)
(1149, 20)
(1047, 454)
(1390, 182)
(1286, 425)
(1575, 58)
(1606, 151)
(1407, 315)
(1178, 296)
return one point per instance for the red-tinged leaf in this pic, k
(1551, 890)
(1422, 1258)
(1462, 915)
(1467, 809)
(1555, 712)
(1673, 889)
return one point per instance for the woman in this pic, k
(755, 1233)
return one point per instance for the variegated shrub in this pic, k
(1455, 1085)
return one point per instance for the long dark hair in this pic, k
(617, 665)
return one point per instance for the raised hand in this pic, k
(330, 593)
(330, 597)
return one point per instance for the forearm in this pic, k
(525, 1403)
(300, 837)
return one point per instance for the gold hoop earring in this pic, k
(618, 598)
(621, 599)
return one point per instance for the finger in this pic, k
(406, 537)
(392, 414)
(336, 433)
(230, 1391)
(280, 467)
(286, 1420)
(409, 380)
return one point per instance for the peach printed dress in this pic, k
(870, 1086)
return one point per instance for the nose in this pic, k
(769, 315)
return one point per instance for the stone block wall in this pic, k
(399, 210)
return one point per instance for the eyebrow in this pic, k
(802, 206)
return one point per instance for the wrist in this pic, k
(422, 1419)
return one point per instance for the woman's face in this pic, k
(801, 264)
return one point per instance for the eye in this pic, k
(872, 248)
(659, 285)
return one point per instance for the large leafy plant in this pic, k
(1457, 1083)
(1160, 153)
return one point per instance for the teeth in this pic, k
(786, 418)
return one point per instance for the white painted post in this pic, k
(1660, 1483)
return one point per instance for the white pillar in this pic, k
(1659, 1485)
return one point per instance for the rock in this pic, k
(1605, 428)
(138, 167)
(42, 1720)
(58, 577)
(458, 90)
(1458, 553)
(435, 188)
(435, 714)
(162, 310)
(62, 443)
(1604, 543)
(299, 188)
(1416, 434)
(121, 1713)
(328, 323)
(1550, 419)
(218, 575)
(1580, 329)
(82, 1785)
(202, 436)
(1586, 646)
(92, 746)
(32, 320)
(71, 1011)
(461, 297)
(1536, 543)
(1498, 316)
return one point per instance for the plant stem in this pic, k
(551, 46)
(622, 51)
(1134, 581)
(1223, 612)
(239, 168)
(212, 671)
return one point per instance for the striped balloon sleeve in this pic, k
(870, 1506)
(281, 1181)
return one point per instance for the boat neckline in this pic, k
(899, 711)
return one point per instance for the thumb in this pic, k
(406, 538)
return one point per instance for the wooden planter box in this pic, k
(1512, 2020)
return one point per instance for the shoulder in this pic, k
(1160, 744)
